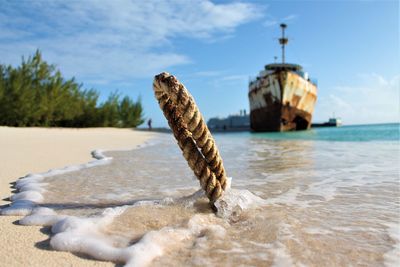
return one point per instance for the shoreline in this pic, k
(37, 150)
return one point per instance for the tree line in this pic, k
(36, 94)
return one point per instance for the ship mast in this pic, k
(283, 41)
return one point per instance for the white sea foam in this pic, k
(235, 201)
(289, 198)
(84, 235)
(392, 257)
(281, 253)
(37, 187)
(18, 207)
(281, 256)
(41, 216)
(31, 189)
(317, 231)
(154, 243)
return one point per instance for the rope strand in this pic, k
(191, 132)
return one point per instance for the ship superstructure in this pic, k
(282, 97)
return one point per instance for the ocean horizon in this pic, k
(357, 132)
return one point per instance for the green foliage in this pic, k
(36, 94)
(130, 112)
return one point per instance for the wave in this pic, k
(31, 187)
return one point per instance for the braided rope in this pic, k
(191, 132)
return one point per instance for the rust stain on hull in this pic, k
(282, 101)
(280, 118)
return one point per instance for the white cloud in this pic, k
(207, 73)
(375, 100)
(273, 21)
(290, 17)
(114, 39)
(240, 77)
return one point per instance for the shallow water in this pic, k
(312, 200)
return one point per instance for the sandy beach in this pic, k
(35, 150)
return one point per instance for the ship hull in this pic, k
(273, 120)
(281, 101)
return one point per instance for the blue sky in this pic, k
(213, 47)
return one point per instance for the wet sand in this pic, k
(35, 150)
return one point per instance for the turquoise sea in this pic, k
(323, 197)
(352, 133)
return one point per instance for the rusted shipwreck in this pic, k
(282, 97)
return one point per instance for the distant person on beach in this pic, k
(149, 124)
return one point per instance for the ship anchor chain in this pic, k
(193, 136)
